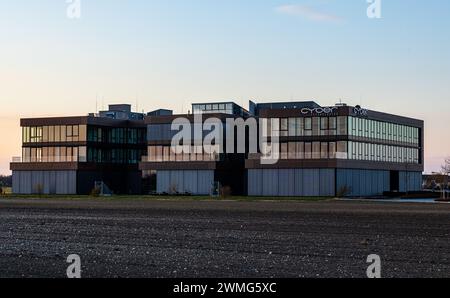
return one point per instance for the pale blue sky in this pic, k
(168, 53)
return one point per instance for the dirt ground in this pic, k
(222, 238)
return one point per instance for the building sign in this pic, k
(360, 111)
(319, 111)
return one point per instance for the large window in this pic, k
(384, 131)
(53, 134)
(183, 153)
(384, 153)
(342, 125)
(54, 154)
(314, 150)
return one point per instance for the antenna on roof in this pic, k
(340, 103)
(137, 102)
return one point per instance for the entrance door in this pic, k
(395, 181)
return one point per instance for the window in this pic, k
(300, 127)
(68, 155)
(26, 154)
(35, 134)
(308, 150)
(300, 150)
(266, 127)
(166, 153)
(82, 154)
(283, 127)
(332, 126)
(341, 150)
(315, 126)
(324, 151)
(308, 127)
(292, 127)
(323, 126)
(45, 134)
(292, 150)
(332, 150)
(159, 153)
(68, 132)
(63, 130)
(284, 150)
(172, 155)
(64, 154)
(57, 134)
(151, 152)
(316, 150)
(366, 128)
(26, 135)
(351, 126)
(359, 126)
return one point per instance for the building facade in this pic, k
(67, 155)
(323, 151)
(194, 168)
(340, 150)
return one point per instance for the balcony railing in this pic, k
(298, 156)
(188, 158)
(56, 159)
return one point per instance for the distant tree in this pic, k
(5, 181)
(446, 166)
(445, 172)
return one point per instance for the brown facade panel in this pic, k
(53, 121)
(44, 166)
(81, 120)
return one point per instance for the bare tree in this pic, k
(446, 166)
(445, 172)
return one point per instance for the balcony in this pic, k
(183, 158)
(55, 159)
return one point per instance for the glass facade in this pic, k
(116, 135)
(384, 153)
(308, 126)
(53, 134)
(54, 154)
(114, 155)
(189, 153)
(386, 142)
(219, 108)
(312, 150)
(384, 131)
(226, 108)
(56, 144)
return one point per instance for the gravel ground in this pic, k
(223, 239)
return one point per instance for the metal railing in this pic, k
(206, 158)
(56, 159)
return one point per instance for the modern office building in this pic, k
(198, 169)
(329, 151)
(324, 151)
(67, 155)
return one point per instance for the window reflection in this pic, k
(183, 153)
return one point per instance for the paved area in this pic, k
(223, 239)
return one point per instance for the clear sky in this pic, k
(168, 53)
